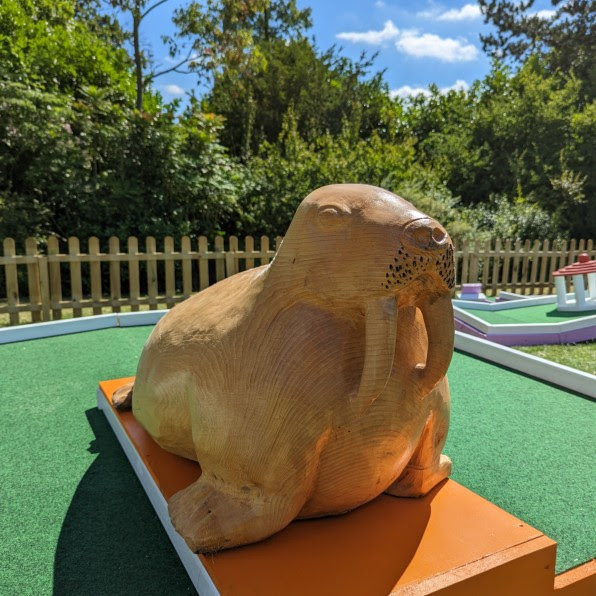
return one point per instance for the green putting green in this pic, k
(76, 521)
(541, 313)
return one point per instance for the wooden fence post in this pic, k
(232, 265)
(95, 269)
(504, 281)
(55, 279)
(534, 266)
(203, 263)
(249, 248)
(485, 263)
(134, 289)
(12, 282)
(33, 281)
(185, 250)
(525, 265)
(44, 287)
(515, 265)
(264, 250)
(151, 272)
(168, 249)
(220, 270)
(115, 287)
(542, 280)
(76, 283)
(496, 268)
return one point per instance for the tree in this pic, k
(323, 89)
(45, 42)
(567, 36)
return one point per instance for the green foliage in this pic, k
(42, 43)
(512, 157)
(502, 218)
(285, 172)
(526, 134)
(322, 90)
(90, 167)
(566, 39)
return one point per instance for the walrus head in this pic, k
(360, 244)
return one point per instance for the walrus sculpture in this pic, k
(308, 386)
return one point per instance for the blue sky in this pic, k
(419, 42)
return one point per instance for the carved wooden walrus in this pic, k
(308, 386)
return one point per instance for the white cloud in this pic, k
(173, 89)
(408, 91)
(544, 14)
(467, 12)
(389, 31)
(380, 4)
(459, 85)
(429, 45)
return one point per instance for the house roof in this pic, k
(583, 266)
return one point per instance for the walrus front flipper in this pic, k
(122, 397)
(427, 466)
(210, 519)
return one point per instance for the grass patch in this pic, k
(581, 356)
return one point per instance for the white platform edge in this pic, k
(192, 563)
(519, 329)
(509, 304)
(93, 323)
(557, 374)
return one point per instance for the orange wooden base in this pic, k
(451, 541)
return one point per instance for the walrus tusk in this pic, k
(439, 323)
(379, 350)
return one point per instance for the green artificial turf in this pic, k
(528, 447)
(74, 519)
(541, 313)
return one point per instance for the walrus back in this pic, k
(169, 370)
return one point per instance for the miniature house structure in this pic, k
(584, 300)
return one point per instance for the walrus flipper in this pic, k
(211, 518)
(122, 397)
(427, 466)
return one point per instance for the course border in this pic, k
(540, 368)
(511, 334)
(192, 563)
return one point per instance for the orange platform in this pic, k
(452, 541)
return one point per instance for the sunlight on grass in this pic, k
(581, 356)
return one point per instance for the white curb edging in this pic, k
(557, 374)
(192, 563)
(521, 328)
(93, 323)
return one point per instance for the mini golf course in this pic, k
(540, 313)
(75, 520)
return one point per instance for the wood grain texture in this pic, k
(309, 385)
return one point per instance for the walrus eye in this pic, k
(332, 216)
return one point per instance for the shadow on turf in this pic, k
(562, 314)
(111, 541)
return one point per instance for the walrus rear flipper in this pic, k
(122, 398)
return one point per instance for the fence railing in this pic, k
(64, 281)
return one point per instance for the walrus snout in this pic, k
(425, 234)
